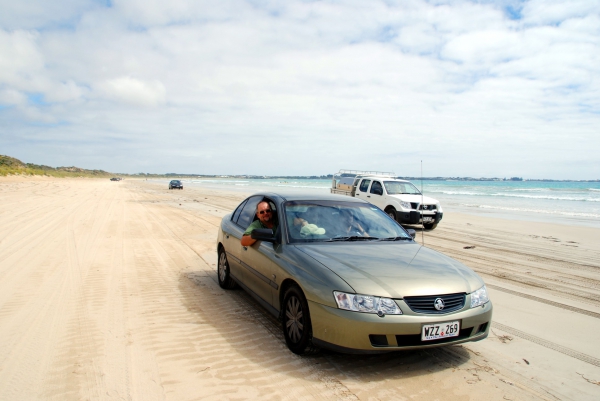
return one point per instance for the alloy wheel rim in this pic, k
(294, 320)
(222, 267)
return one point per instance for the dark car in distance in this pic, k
(175, 184)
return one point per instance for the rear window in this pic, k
(364, 185)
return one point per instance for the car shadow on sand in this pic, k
(245, 326)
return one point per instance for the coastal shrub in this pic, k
(11, 166)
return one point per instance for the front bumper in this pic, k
(354, 332)
(414, 217)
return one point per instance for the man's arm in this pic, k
(247, 240)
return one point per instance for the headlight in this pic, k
(479, 297)
(405, 205)
(366, 304)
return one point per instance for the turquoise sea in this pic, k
(560, 202)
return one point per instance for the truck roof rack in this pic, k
(354, 173)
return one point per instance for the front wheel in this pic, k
(391, 212)
(223, 272)
(297, 328)
(430, 226)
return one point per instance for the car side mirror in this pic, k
(263, 234)
(411, 232)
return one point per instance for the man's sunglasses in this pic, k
(264, 211)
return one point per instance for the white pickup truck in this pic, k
(400, 199)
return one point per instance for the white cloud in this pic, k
(20, 58)
(12, 97)
(134, 91)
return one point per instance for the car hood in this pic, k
(426, 200)
(394, 270)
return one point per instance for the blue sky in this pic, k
(471, 88)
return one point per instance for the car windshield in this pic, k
(397, 188)
(333, 221)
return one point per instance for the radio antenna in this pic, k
(422, 223)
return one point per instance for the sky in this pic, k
(458, 88)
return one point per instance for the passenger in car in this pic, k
(266, 219)
(353, 226)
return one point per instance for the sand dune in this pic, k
(108, 291)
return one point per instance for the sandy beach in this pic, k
(108, 290)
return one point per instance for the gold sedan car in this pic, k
(341, 274)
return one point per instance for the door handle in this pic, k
(245, 248)
(227, 236)
(368, 196)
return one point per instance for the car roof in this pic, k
(304, 196)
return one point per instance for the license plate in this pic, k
(440, 330)
(426, 219)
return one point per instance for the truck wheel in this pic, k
(430, 226)
(391, 212)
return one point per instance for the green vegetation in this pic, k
(11, 166)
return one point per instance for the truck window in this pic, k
(376, 188)
(364, 185)
(396, 188)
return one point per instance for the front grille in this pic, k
(428, 207)
(414, 205)
(426, 304)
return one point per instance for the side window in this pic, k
(364, 185)
(376, 188)
(237, 212)
(248, 212)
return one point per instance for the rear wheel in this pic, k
(297, 328)
(223, 273)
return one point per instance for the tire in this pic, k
(223, 273)
(297, 327)
(390, 211)
(429, 226)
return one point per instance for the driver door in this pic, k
(260, 268)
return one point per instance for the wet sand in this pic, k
(108, 291)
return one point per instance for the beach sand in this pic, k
(108, 290)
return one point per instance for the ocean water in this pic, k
(561, 202)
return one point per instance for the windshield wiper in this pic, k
(352, 238)
(396, 239)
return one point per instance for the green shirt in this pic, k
(258, 224)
